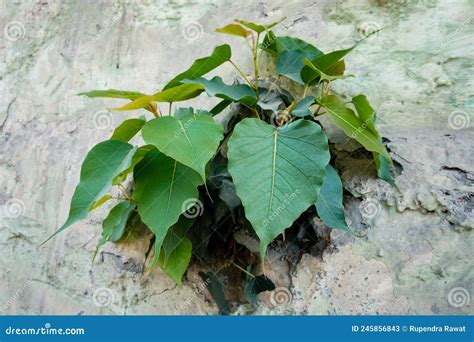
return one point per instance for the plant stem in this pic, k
(125, 192)
(169, 110)
(305, 89)
(243, 270)
(241, 73)
(255, 63)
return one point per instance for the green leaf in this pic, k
(114, 94)
(318, 73)
(302, 107)
(216, 289)
(177, 262)
(291, 54)
(180, 113)
(365, 112)
(329, 204)
(163, 190)
(259, 28)
(101, 201)
(277, 173)
(384, 168)
(269, 43)
(113, 226)
(101, 165)
(179, 93)
(290, 43)
(176, 235)
(202, 66)
(220, 107)
(290, 63)
(328, 61)
(352, 125)
(367, 115)
(256, 285)
(216, 87)
(235, 30)
(330, 64)
(137, 156)
(192, 140)
(127, 129)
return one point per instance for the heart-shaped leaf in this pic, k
(216, 87)
(289, 43)
(101, 165)
(277, 173)
(202, 66)
(164, 189)
(289, 63)
(192, 140)
(329, 204)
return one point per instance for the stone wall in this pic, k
(417, 71)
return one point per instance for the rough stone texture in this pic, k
(417, 255)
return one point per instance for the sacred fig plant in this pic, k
(263, 166)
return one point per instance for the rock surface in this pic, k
(417, 255)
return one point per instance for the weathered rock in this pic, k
(416, 258)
